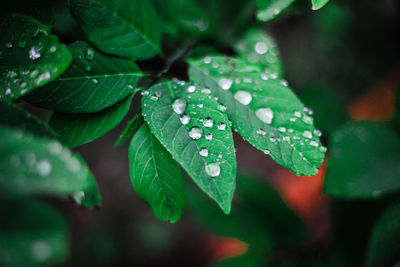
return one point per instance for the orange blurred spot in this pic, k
(303, 194)
(378, 103)
(223, 247)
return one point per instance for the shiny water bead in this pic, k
(179, 106)
(297, 114)
(293, 119)
(307, 134)
(94, 80)
(185, 119)
(203, 152)
(317, 133)
(191, 89)
(261, 48)
(206, 91)
(307, 119)
(265, 114)
(209, 136)
(44, 168)
(195, 133)
(282, 129)
(322, 149)
(308, 111)
(207, 60)
(213, 169)
(208, 122)
(264, 76)
(225, 83)
(243, 97)
(221, 126)
(89, 53)
(33, 53)
(313, 143)
(261, 132)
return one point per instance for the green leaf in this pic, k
(127, 28)
(269, 9)
(32, 234)
(384, 244)
(364, 161)
(78, 129)
(42, 10)
(258, 47)
(317, 4)
(130, 129)
(263, 110)
(155, 176)
(32, 165)
(94, 82)
(13, 116)
(192, 127)
(31, 56)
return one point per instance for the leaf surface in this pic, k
(127, 28)
(269, 9)
(78, 129)
(156, 176)
(317, 4)
(94, 82)
(263, 110)
(30, 56)
(363, 161)
(189, 122)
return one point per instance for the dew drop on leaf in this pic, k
(185, 119)
(209, 136)
(89, 53)
(208, 122)
(179, 106)
(44, 168)
(191, 89)
(195, 133)
(225, 83)
(243, 97)
(221, 126)
(307, 134)
(261, 132)
(261, 48)
(203, 152)
(213, 169)
(265, 114)
(94, 81)
(313, 143)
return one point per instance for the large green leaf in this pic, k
(131, 128)
(78, 129)
(317, 4)
(32, 234)
(94, 81)
(363, 161)
(30, 56)
(192, 126)
(36, 165)
(384, 243)
(269, 9)
(128, 28)
(263, 110)
(155, 176)
(258, 47)
(13, 116)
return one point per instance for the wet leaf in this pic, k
(127, 28)
(32, 165)
(269, 9)
(94, 82)
(363, 161)
(156, 177)
(30, 56)
(191, 125)
(317, 4)
(78, 129)
(263, 110)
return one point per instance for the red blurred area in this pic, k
(220, 248)
(378, 103)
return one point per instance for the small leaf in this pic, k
(127, 28)
(257, 47)
(363, 161)
(155, 176)
(13, 116)
(94, 82)
(32, 165)
(32, 234)
(384, 244)
(263, 110)
(188, 122)
(269, 9)
(317, 4)
(78, 129)
(31, 56)
(130, 129)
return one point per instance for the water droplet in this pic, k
(185, 119)
(43, 77)
(195, 133)
(267, 152)
(44, 168)
(200, 105)
(41, 250)
(284, 83)
(307, 134)
(297, 114)
(33, 53)
(243, 97)
(307, 119)
(207, 60)
(179, 106)
(225, 83)
(206, 91)
(89, 53)
(265, 114)
(309, 111)
(264, 76)
(215, 65)
(144, 92)
(213, 169)
(73, 164)
(222, 108)
(94, 80)
(154, 97)
(55, 148)
(208, 122)
(261, 132)
(221, 126)
(282, 129)
(317, 133)
(209, 136)
(293, 119)
(191, 89)
(203, 152)
(277, 11)
(313, 143)
(8, 45)
(53, 49)
(323, 149)
(261, 48)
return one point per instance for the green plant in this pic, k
(219, 76)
